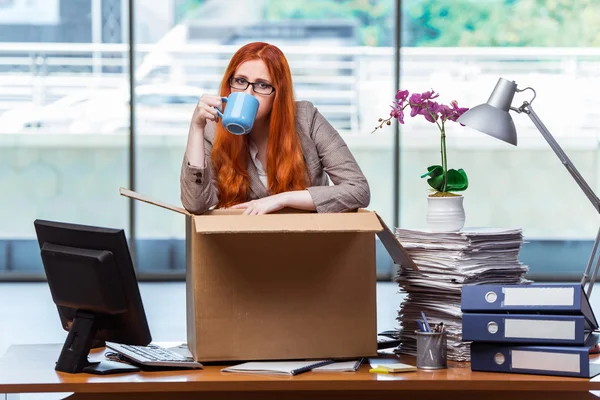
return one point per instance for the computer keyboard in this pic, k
(153, 356)
(387, 342)
(387, 339)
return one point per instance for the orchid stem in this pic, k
(444, 161)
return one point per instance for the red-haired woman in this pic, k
(285, 159)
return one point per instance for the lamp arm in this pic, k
(526, 108)
(586, 275)
(593, 261)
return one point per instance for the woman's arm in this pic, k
(194, 150)
(197, 181)
(206, 110)
(298, 199)
(351, 189)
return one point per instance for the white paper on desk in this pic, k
(272, 367)
(340, 366)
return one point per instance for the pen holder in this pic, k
(431, 350)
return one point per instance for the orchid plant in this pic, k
(440, 178)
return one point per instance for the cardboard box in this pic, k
(289, 285)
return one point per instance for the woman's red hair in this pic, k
(286, 169)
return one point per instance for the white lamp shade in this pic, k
(493, 117)
(491, 120)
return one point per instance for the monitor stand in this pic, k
(74, 355)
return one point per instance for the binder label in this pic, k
(539, 329)
(545, 361)
(539, 296)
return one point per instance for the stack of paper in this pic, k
(446, 261)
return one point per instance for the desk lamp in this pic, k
(494, 119)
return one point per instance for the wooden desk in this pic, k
(30, 369)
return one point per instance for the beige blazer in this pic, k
(325, 154)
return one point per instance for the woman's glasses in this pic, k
(258, 87)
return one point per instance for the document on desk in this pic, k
(278, 367)
(341, 366)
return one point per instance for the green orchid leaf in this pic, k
(436, 177)
(433, 170)
(457, 179)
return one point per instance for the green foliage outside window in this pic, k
(537, 23)
(452, 23)
(375, 17)
(186, 8)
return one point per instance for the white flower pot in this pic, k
(445, 214)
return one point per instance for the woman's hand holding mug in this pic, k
(206, 109)
(238, 117)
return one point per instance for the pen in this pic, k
(427, 327)
(310, 367)
(421, 326)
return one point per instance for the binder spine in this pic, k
(522, 298)
(531, 329)
(540, 360)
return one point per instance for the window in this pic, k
(51, 64)
(460, 49)
(65, 110)
(341, 57)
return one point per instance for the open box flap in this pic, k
(146, 199)
(394, 247)
(231, 221)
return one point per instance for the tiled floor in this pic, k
(28, 315)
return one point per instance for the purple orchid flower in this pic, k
(457, 111)
(429, 95)
(397, 112)
(424, 104)
(430, 110)
(447, 113)
(401, 96)
(415, 104)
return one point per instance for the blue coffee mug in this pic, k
(240, 112)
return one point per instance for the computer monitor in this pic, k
(93, 283)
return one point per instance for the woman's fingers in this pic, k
(206, 109)
(211, 100)
(208, 114)
(250, 208)
(251, 211)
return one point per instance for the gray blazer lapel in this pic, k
(256, 186)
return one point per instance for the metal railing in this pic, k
(342, 81)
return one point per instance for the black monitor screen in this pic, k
(93, 283)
